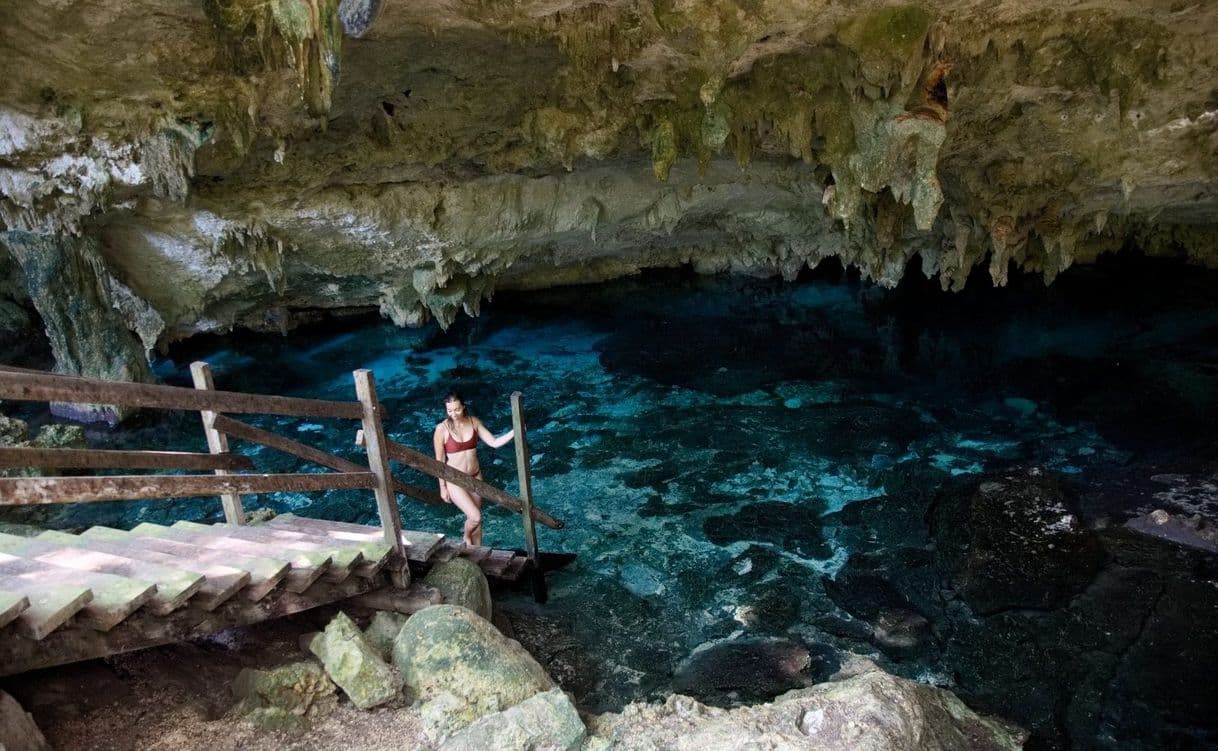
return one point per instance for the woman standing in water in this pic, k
(462, 454)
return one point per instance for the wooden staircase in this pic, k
(67, 597)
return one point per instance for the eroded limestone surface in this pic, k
(236, 162)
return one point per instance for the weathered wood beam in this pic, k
(246, 432)
(24, 385)
(110, 459)
(142, 629)
(217, 442)
(20, 491)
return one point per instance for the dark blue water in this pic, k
(738, 458)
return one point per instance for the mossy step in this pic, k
(220, 582)
(376, 554)
(419, 545)
(343, 559)
(49, 604)
(304, 569)
(114, 597)
(173, 586)
(11, 605)
(265, 573)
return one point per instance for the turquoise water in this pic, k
(703, 438)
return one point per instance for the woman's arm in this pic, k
(489, 438)
(437, 440)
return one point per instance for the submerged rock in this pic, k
(450, 649)
(864, 709)
(751, 669)
(462, 583)
(1015, 543)
(352, 662)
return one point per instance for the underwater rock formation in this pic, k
(234, 163)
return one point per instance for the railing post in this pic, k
(217, 442)
(526, 497)
(378, 462)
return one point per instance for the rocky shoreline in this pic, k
(447, 679)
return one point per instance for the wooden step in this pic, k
(173, 586)
(50, 603)
(343, 559)
(495, 564)
(305, 568)
(376, 554)
(475, 554)
(419, 545)
(265, 573)
(444, 553)
(220, 582)
(11, 605)
(114, 597)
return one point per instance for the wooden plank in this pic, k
(303, 572)
(428, 465)
(173, 586)
(378, 460)
(143, 629)
(109, 459)
(408, 601)
(11, 605)
(443, 553)
(245, 432)
(515, 568)
(114, 597)
(37, 490)
(474, 553)
(376, 553)
(220, 582)
(520, 438)
(50, 387)
(50, 605)
(419, 545)
(217, 442)
(265, 573)
(342, 559)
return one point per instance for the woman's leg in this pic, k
(472, 509)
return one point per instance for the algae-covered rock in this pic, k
(59, 436)
(462, 583)
(544, 721)
(294, 689)
(383, 630)
(353, 663)
(450, 649)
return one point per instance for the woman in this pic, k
(455, 440)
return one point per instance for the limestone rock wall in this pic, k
(234, 162)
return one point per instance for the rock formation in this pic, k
(206, 164)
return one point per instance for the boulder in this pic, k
(462, 583)
(544, 721)
(867, 710)
(353, 663)
(280, 698)
(382, 631)
(451, 649)
(18, 731)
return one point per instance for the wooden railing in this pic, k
(226, 480)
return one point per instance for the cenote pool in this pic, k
(939, 481)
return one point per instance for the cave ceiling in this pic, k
(206, 164)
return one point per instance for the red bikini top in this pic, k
(452, 446)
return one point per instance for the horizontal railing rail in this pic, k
(21, 491)
(56, 458)
(22, 385)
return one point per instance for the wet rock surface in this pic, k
(751, 669)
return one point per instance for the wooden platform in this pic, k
(68, 597)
